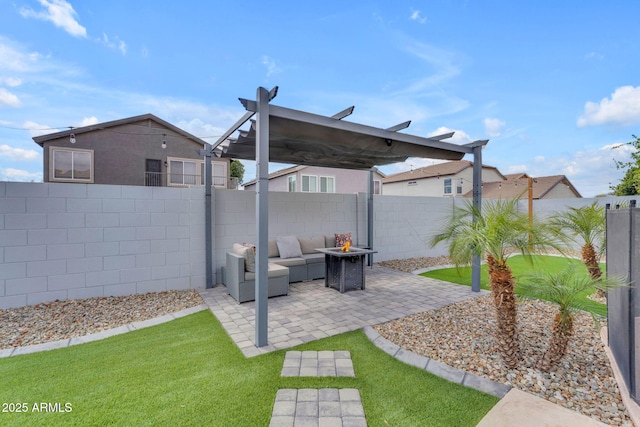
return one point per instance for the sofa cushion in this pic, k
(248, 253)
(330, 241)
(288, 262)
(313, 258)
(288, 246)
(309, 244)
(273, 249)
(341, 239)
(274, 270)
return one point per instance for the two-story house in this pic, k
(315, 179)
(141, 150)
(449, 179)
(455, 179)
(517, 185)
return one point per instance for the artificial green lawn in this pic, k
(520, 266)
(189, 372)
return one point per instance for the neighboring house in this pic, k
(315, 179)
(141, 150)
(449, 179)
(517, 186)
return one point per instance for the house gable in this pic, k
(126, 152)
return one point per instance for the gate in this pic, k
(623, 304)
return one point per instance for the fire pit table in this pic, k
(344, 270)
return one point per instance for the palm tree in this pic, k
(494, 231)
(562, 288)
(584, 226)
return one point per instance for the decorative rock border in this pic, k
(437, 368)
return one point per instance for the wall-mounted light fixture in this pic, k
(164, 141)
(72, 138)
(166, 164)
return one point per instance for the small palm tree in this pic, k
(562, 288)
(494, 231)
(586, 226)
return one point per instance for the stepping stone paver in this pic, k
(317, 364)
(323, 407)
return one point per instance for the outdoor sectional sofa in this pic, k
(291, 259)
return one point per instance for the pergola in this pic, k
(285, 135)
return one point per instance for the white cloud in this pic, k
(592, 172)
(441, 61)
(60, 13)
(88, 121)
(11, 174)
(9, 99)
(201, 129)
(36, 129)
(115, 44)
(416, 15)
(17, 153)
(270, 63)
(11, 81)
(594, 55)
(493, 127)
(623, 108)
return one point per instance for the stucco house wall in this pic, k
(120, 149)
(434, 186)
(346, 181)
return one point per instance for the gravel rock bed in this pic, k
(461, 335)
(410, 265)
(59, 320)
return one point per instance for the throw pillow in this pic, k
(341, 239)
(288, 246)
(309, 244)
(250, 257)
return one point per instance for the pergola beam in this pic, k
(400, 126)
(344, 113)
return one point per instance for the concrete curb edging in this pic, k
(16, 351)
(437, 368)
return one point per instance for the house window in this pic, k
(291, 181)
(309, 183)
(219, 171)
(447, 186)
(327, 184)
(71, 165)
(183, 172)
(191, 172)
(459, 187)
(377, 186)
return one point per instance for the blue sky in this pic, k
(553, 85)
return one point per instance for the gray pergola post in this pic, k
(370, 217)
(262, 215)
(208, 220)
(477, 203)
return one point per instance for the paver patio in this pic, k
(311, 311)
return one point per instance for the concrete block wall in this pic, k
(63, 241)
(301, 214)
(66, 241)
(403, 226)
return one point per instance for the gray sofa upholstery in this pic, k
(241, 284)
(300, 263)
(308, 266)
